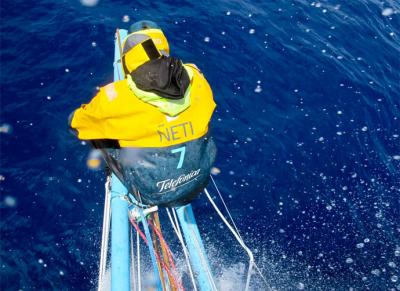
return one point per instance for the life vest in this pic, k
(165, 159)
(117, 113)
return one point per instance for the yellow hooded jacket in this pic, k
(124, 113)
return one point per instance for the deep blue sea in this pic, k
(307, 126)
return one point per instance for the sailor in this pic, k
(152, 126)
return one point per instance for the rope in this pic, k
(133, 275)
(105, 235)
(151, 249)
(226, 207)
(144, 237)
(238, 238)
(174, 278)
(165, 253)
(233, 222)
(158, 256)
(185, 251)
(138, 261)
(203, 259)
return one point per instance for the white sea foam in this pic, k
(387, 12)
(5, 128)
(89, 3)
(126, 18)
(10, 201)
(349, 260)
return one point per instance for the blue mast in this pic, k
(120, 248)
(197, 253)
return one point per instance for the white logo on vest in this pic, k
(172, 184)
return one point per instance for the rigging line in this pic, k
(201, 253)
(151, 249)
(233, 222)
(185, 251)
(174, 280)
(144, 237)
(157, 252)
(167, 254)
(105, 234)
(226, 207)
(262, 276)
(133, 274)
(138, 261)
(164, 245)
(238, 238)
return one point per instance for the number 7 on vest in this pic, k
(182, 150)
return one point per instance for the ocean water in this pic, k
(307, 125)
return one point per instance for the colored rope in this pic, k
(184, 248)
(143, 236)
(151, 249)
(157, 253)
(176, 280)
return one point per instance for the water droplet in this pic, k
(5, 128)
(215, 171)
(125, 18)
(10, 201)
(360, 245)
(392, 264)
(228, 13)
(89, 3)
(376, 272)
(387, 12)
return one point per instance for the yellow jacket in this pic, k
(116, 112)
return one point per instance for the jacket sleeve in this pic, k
(87, 121)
